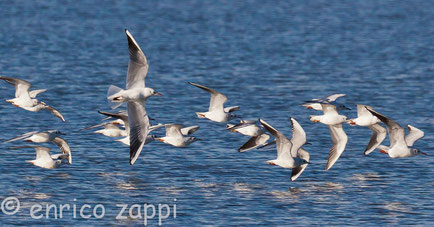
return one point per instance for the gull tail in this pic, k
(111, 92)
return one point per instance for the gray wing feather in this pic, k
(139, 129)
(378, 135)
(138, 65)
(396, 132)
(413, 135)
(254, 142)
(217, 99)
(64, 147)
(340, 140)
(296, 172)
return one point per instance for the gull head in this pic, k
(416, 151)
(148, 92)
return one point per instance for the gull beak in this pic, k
(309, 107)
(308, 143)
(28, 140)
(351, 122)
(424, 153)
(159, 139)
(159, 94)
(198, 139)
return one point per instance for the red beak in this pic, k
(159, 94)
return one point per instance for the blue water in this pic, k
(267, 57)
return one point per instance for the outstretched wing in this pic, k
(54, 111)
(64, 147)
(282, 143)
(413, 135)
(189, 130)
(25, 135)
(378, 135)
(396, 132)
(139, 129)
(21, 86)
(298, 137)
(254, 142)
(217, 99)
(173, 130)
(34, 93)
(340, 140)
(138, 65)
(296, 172)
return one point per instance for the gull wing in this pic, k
(413, 135)
(329, 109)
(298, 137)
(296, 172)
(189, 130)
(231, 109)
(217, 99)
(139, 129)
(282, 143)
(340, 140)
(43, 153)
(25, 135)
(64, 147)
(54, 111)
(396, 132)
(378, 135)
(123, 116)
(254, 142)
(34, 93)
(21, 86)
(267, 144)
(333, 98)
(138, 65)
(173, 130)
(242, 124)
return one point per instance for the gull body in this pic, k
(330, 116)
(289, 154)
(364, 117)
(400, 145)
(175, 137)
(111, 130)
(216, 111)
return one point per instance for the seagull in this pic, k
(176, 138)
(45, 137)
(216, 111)
(365, 118)
(289, 154)
(400, 145)
(27, 99)
(316, 103)
(330, 117)
(135, 96)
(44, 159)
(111, 130)
(257, 134)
